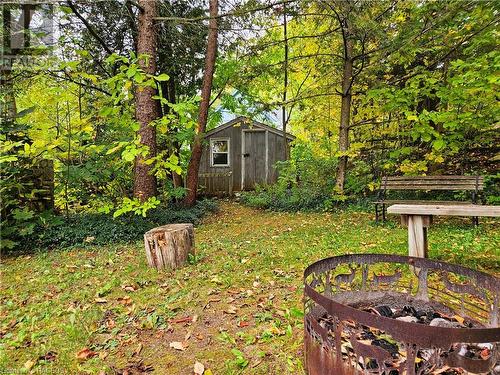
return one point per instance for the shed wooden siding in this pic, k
(261, 138)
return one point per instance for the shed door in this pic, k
(254, 158)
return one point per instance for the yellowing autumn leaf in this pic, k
(459, 319)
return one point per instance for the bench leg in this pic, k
(376, 212)
(417, 237)
(475, 221)
(383, 212)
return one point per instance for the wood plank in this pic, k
(429, 182)
(403, 201)
(446, 210)
(443, 178)
(432, 187)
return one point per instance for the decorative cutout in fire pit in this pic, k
(395, 315)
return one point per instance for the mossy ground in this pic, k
(244, 290)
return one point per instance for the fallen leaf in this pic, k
(208, 372)
(128, 288)
(28, 365)
(85, 354)
(199, 336)
(179, 345)
(258, 362)
(459, 319)
(125, 300)
(485, 353)
(100, 300)
(103, 355)
(231, 310)
(242, 324)
(199, 368)
(110, 324)
(50, 356)
(187, 319)
(187, 336)
(138, 350)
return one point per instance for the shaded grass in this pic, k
(248, 269)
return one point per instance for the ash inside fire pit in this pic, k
(443, 321)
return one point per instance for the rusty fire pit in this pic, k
(395, 315)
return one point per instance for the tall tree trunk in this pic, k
(345, 108)
(285, 85)
(194, 162)
(146, 110)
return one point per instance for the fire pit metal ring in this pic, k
(448, 319)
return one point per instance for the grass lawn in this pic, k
(236, 308)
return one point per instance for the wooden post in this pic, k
(417, 236)
(168, 246)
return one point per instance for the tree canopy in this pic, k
(368, 88)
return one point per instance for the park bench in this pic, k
(473, 184)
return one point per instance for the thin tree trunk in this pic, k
(68, 160)
(172, 98)
(194, 163)
(345, 109)
(146, 110)
(285, 86)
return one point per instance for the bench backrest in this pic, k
(452, 183)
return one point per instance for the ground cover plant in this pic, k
(236, 308)
(87, 229)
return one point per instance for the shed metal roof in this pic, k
(250, 121)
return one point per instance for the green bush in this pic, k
(305, 183)
(86, 229)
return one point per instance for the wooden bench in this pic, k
(474, 184)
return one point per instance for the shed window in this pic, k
(219, 150)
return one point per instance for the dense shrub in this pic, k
(98, 229)
(305, 182)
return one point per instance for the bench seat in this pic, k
(396, 201)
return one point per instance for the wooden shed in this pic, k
(239, 154)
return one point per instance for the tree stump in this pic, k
(168, 246)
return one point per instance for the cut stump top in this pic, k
(170, 228)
